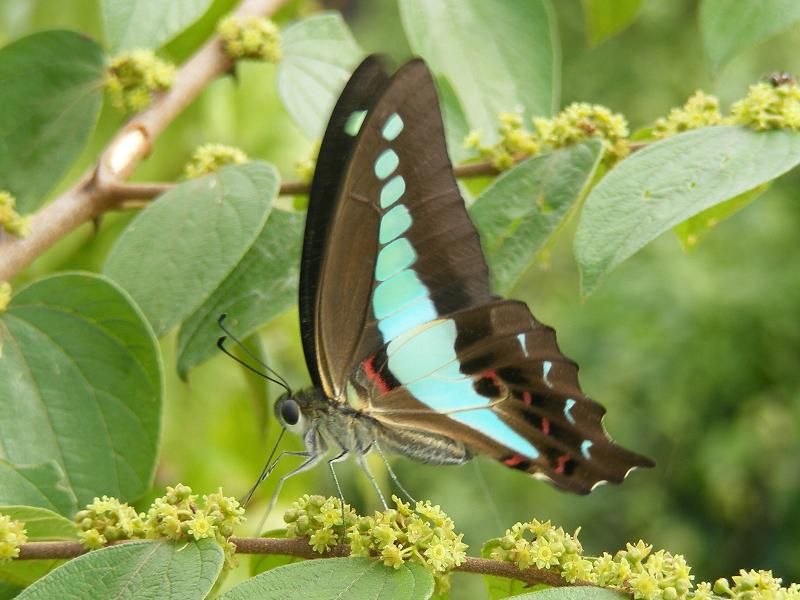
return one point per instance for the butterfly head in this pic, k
(297, 411)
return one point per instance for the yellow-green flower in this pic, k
(12, 536)
(133, 78)
(769, 107)
(212, 157)
(250, 37)
(201, 526)
(580, 121)
(392, 555)
(700, 110)
(10, 220)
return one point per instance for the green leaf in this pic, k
(456, 127)
(263, 285)
(525, 206)
(693, 230)
(574, 593)
(260, 563)
(606, 18)
(9, 590)
(50, 97)
(333, 578)
(41, 485)
(176, 252)
(40, 525)
(732, 26)
(498, 56)
(81, 375)
(149, 24)
(670, 181)
(145, 569)
(319, 53)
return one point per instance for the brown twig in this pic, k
(299, 547)
(99, 189)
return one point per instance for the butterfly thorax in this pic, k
(328, 424)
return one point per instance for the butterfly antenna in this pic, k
(277, 379)
(280, 382)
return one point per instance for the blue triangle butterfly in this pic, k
(408, 350)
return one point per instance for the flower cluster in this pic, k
(648, 575)
(541, 545)
(10, 220)
(211, 157)
(700, 110)
(577, 122)
(177, 515)
(108, 520)
(5, 295)
(12, 536)
(423, 534)
(749, 585)
(250, 37)
(769, 106)
(134, 77)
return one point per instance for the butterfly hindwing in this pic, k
(494, 377)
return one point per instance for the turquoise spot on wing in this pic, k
(521, 338)
(394, 224)
(354, 122)
(386, 163)
(422, 351)
(425, 362)
(396, 292)
(546, 366)
(567, 408)
(585, 445)
(393, 127)
(392, 190)
(393, 258)
(407, 318)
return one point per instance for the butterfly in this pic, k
(408, 349)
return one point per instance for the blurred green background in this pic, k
(695, 356)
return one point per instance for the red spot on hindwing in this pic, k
(374, 376)
(527, 399)
(561, 462)
(514, 460)
(545, 426)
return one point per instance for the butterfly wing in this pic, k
(494, 377)
(397, 203)
(357, 97)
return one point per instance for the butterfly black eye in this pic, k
(290, 412)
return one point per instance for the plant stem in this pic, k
(299, 547)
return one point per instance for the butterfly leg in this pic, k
(392, 474)
(313, 459)
(268, 468)
(364, 467)
(339, 457)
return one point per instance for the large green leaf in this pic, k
(525, 206)
(51, 90)
(732, 26)
(262, 286)
(81, 375)
(606, 18)
(573, 593)
(40, 525)
(132, 24)
(669, 182)
(175, 253)
(333, 578)
(36, 485)
(319, 53)
(498, 56)
(162, 570)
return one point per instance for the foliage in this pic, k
(694, 356)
